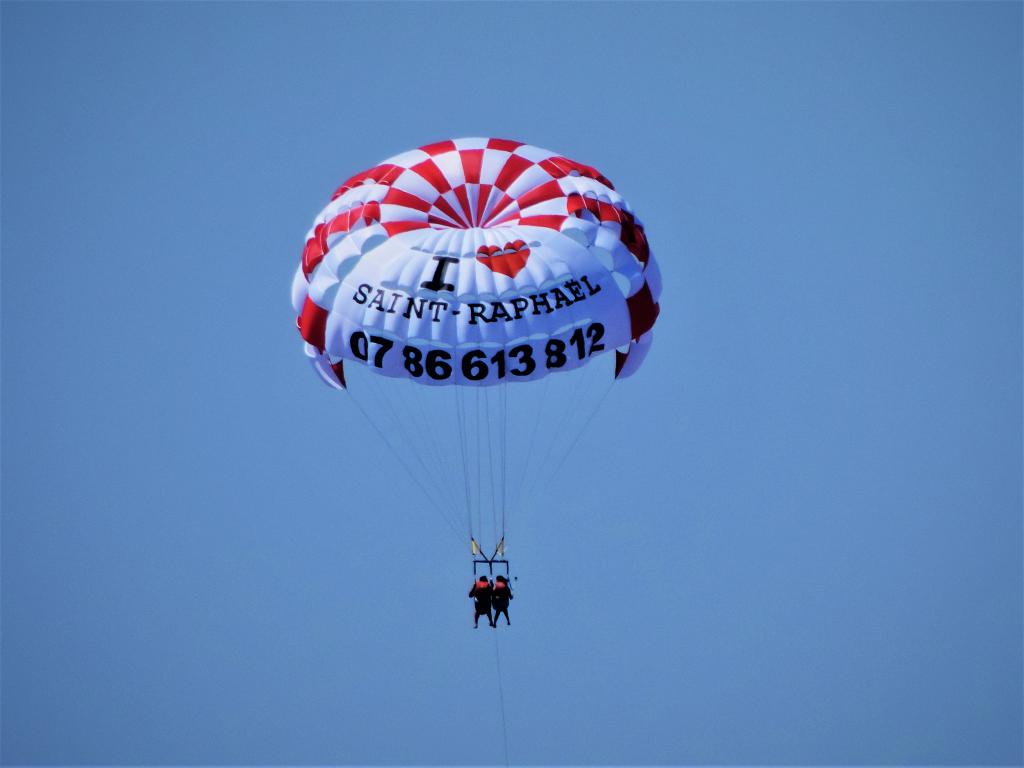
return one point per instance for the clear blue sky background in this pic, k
(795, 536)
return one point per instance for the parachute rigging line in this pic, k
(409, 418)
(430, 497)
(392, 405)
(504, 455)
(479, 480)
(579, 434)
(556, 457)
(462, 451)
(490, 459)
(501, 699)
(521, 485)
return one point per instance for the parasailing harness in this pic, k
(480, 559)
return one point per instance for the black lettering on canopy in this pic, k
(476, 312)
(561, 300)
(435, 307)
(414, 307)
(499, 312)
(437, 283)
(362, 293)
(575, 289)
(539, 300)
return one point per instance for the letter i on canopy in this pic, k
(437, 283)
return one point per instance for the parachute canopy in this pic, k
(475, 262)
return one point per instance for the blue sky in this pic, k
(794, 537)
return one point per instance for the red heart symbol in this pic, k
(509, 260)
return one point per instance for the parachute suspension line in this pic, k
(429, 419)
(406, 421)
(490, 461)
(418, 416)
(574, 401)
(567, 408)
(410, 422)
(390, 407)
(496, 463)
(499, 451)
(427, 481)
(501, 698)
(504, 455)
(426, 493)
(546, 477)
(587, 376)
(582, 429)
(460, 418)
(434, 417)
(409, 426)
(528, 448)
(563, 410)
(476, 457)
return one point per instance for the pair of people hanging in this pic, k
(491, 595)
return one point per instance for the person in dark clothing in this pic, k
(500, 596)
(481, 593)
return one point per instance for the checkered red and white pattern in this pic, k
(482, 184)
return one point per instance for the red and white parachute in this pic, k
(475, 263)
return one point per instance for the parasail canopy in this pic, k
(475, 262)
